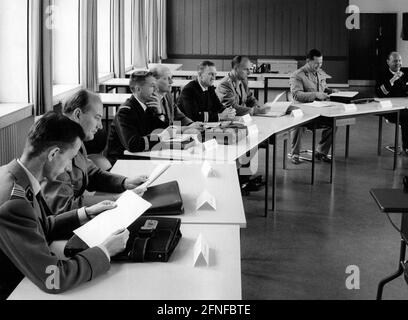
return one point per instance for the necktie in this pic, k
(43, 204)
(318, 82)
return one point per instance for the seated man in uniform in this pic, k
(135, 126)
(308, 84)
(66, 192)
(26, 225)
(392, 83)
(233, 91)
(198, 99)
(167, 110)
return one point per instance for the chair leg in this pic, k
(380, 126)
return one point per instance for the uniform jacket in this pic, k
(384, 88)
(132, 130)
(66, 192)
(173, 113)
(26, 230)
(237, 96)
(303, 84)
(199, 105)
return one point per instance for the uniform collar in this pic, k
(202, 87)
(33, 181)
(141, 103)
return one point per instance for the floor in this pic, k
(304, 249)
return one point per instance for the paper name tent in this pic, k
(201, 252)
(129, 208)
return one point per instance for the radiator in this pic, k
(12, 140)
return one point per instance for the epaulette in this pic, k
(17, 192)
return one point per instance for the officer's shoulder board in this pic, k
(17, 192)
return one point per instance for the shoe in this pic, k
(322, 157)
(255, 184)
(296, 159)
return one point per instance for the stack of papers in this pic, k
(344, 94)
(319, 104)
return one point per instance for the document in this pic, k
(319, 104)
(157, 172)
(276, 109)
(344, 94)
(129, 208)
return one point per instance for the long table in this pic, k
(268, 129)
(334, 113)
(176, 279)
(224, 186)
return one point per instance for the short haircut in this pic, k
(313, 53)
(80, 100)
(236, 61)
(53, 129)
(157, 71)
(138, 79)
(205, 64)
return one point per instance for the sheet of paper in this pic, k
(386, 104)
(201, 252)
(209, 125)
(276, 109)
(319, 104)
(350, 107)
(129, 208)
(278, 97)
(297, 113)
(206, 201)
(344, 94)
(157, 172)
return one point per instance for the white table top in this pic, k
(14, 112)
(267, 126)
(171, 66)
(224, 186)
(114, 98)
(176, 279)
(177, 83)
(337, 110)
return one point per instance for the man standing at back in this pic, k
(198, 99)
(308, 84)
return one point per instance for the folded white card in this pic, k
(210, 145)
(253, 130)
(206, 201)
(206, 169)
(201, 252)
(246, 119)
(297, 113)
(350, 107)
(386, 104)
(129, 208)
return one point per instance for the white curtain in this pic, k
(89, 44)
(40, 49)
(139, 36)
(118, 38)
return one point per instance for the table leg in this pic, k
(346, 153)
(396, 140)
(107, 117)
(285, 152)
(333, 160)
(313, 152)
(256, 94)
(266, 81)
(380, 126)
(266, 177)
(274, 174)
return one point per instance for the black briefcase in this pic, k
(150, 240)
(165, 199)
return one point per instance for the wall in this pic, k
(220, 29)
(388, 6)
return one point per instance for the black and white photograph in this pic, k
(203, 157)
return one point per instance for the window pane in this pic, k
(104, 25)
(65, 42)
(13, 51)
(128, 33)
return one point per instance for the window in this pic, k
(13, 51)
(104, 39)
(128, 34)
(65, 42)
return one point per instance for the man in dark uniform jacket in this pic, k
(26, 225)
(67, 191)
(198, 99)
(135, 126)
(394, 83)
